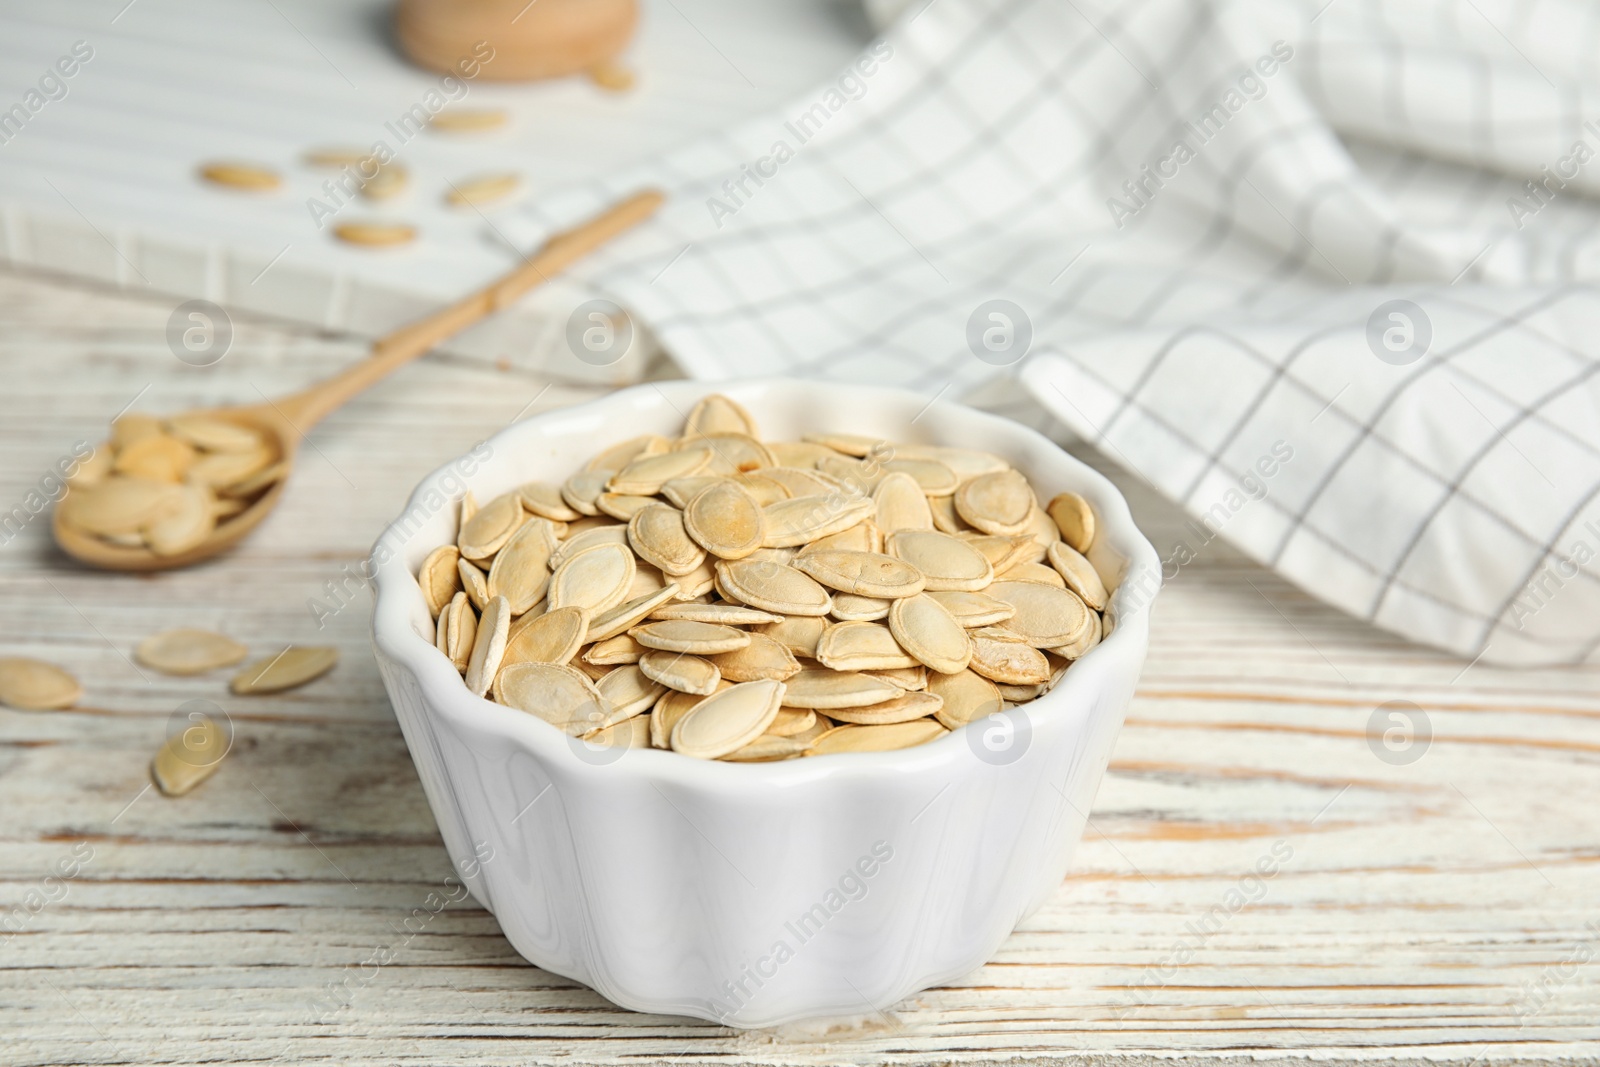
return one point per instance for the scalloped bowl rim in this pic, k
(398, 594)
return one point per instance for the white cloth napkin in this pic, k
(1320, 272)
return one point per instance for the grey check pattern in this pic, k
(1443, 467)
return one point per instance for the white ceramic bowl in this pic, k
(756, 894)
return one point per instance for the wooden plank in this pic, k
(1431, 912)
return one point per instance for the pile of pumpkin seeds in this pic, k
(738, 600)
(166, 484)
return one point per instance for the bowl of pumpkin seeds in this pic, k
(775, 702)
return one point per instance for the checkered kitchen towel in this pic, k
(1369, 362)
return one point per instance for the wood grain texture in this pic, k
(1443, 911)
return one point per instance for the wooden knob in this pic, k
(541, 39)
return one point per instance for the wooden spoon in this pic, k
(284, 422)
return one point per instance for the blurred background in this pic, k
(1338, 661)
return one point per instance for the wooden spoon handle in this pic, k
(394, 350)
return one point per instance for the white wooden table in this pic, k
(1428, 911)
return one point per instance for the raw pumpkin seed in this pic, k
(623, 506)
(630, 613)
(861, 573)
(545, 500)
(489, 645)
(799, 634)
(484, 189)
(624, 693)
(474, 583)
(294, 666)
(729, 720)
(1046, 617)
(630, 733)
(792, 721)
(439, 577)
(847, 607)
(646, 475)
(996, 503)
(945, 562)
(375, 234)
(247, 176)
(462, 631)
(559, 695)
(864, 536)
(903, 708)
(187, 651)
(159, 457)
(803, 519)
(656, 533)
(190, 756)
(1074, 518)
(885, 738)
(1004, 657)
(822, 690)
(34, 685)
(120, 504)
(900, 504)
(614, 650)
(215, 435)
(671, 707)
(714, 414)
(727, 614)
(762, 658)
(862, 646)
(1078, 574)
(553, 637)
(907, 678)
(613, 533)
(966, 696)
(681, 635)
(521, 569)
(490, 527)
(1032, 572)
(930, 633)
(680, 671)
(772, 587)
(187, 525)
(850, 444)
(595, 579)
(725, 520)
(584, 488)
(973, 609)
(469, 119)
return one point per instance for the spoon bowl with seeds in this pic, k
(166, 493)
